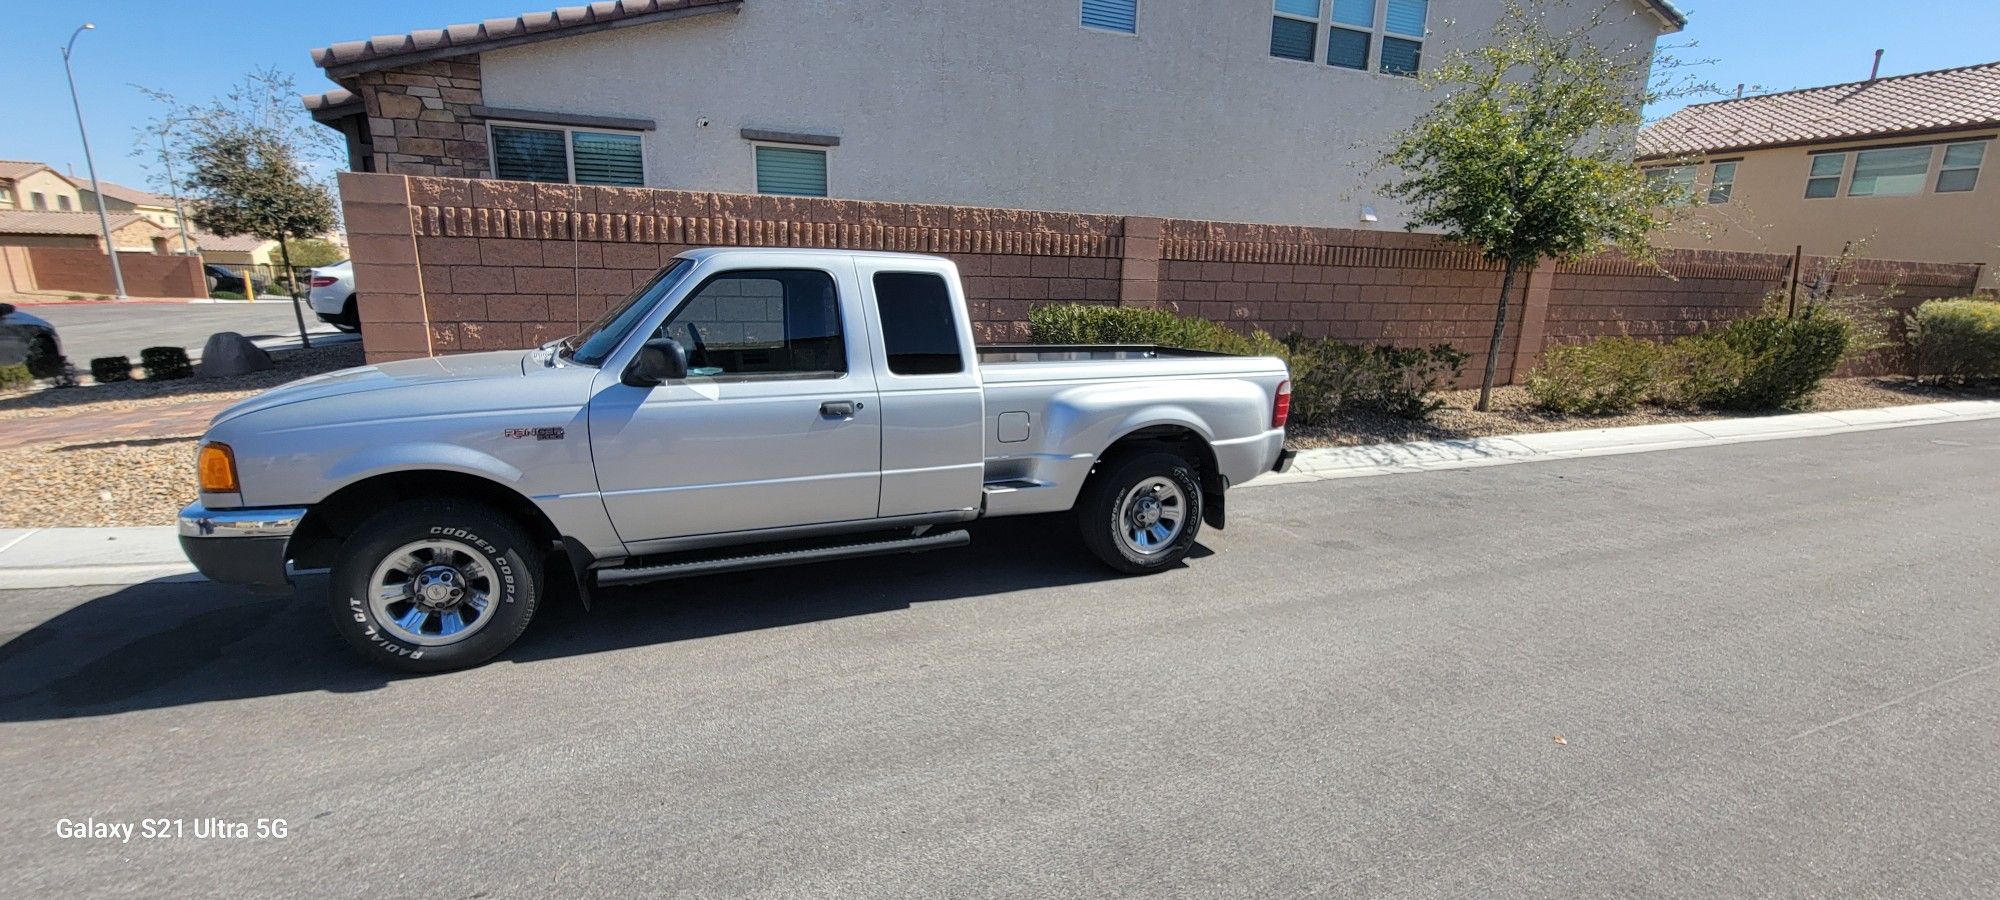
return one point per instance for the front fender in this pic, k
(428, 455)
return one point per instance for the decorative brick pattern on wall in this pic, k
(445, 265)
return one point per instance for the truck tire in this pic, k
(434, 585)
(1141, 513)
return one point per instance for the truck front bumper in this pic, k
(239, 546)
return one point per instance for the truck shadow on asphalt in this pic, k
(165, 644)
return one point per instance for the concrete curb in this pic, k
(1427, 456)
(74, 557)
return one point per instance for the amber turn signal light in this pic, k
(217, 466)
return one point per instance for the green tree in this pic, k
(1528, 152)
(314, 252)
(249, 165)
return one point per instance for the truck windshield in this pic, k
(596, 341)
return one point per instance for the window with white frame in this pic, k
(41, 202)
(1679, 179)
(1824, 179)
(1112, 15)
(1890, 172)
(1961, 167)
(1381, 35)
(1722, 182)
(791, 171)
(564, 155)
(62, 202)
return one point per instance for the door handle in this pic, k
(838, 409)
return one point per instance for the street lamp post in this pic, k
(103, 219)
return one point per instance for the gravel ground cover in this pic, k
(1514, 413)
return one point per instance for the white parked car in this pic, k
(332, 295)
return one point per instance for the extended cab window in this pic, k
(780, 322)
(919, 331)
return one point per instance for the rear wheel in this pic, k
(349, 319)
(1141, 513)
(434, 585)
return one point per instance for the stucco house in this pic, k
(33, 186)
(1239, 110)
(1905, 163)
(132, 232)
(121, 199)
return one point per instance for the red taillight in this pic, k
(323, 281)
(1281, 408)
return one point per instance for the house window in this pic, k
(62, 202)
(1961, 167)
(1112, 15)
(1825, 178)
(1678, 179)
(1387, 35)
(7, 196)
(567, 155)
(1723, 183)
(40, 201)
(791, 171)
(1295, 29)
(1892, 172)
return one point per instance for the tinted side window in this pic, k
(918, 329)
(762, 322)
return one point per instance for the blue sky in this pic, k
(197, 50)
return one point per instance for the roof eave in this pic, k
(396, 60)
(1823, 142)
(1670, 15)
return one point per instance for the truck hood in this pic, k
(499, 365)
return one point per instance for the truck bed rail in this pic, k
(1015, 353)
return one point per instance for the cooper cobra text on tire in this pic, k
(1141, 513)
(434, 585)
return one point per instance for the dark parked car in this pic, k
(223, 278)
(28, 339)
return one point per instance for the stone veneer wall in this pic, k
(445, 265)
(420, 119)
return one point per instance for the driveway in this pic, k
(1759, 669)
(91, 330)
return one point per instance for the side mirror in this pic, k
(661, 360)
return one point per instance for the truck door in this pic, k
(933, 445)
(776, 425)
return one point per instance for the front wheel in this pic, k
(434, 585)
(1141, 513)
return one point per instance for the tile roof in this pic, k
(36, 221)
(1926, 102)
(118, 191)
(459, 40)
(14, 169)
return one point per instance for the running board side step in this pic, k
(941, 540)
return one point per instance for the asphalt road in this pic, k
(91, 330)
(1763, 669)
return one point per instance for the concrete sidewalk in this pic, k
(65, 557)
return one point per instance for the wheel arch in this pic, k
(329, 522)
(1181, 440)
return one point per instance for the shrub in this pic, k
(1956, 340)
(15, 376)
(165, 363)
(64, 375)
(1613, 375)
(1763, 362)
(225, 295)
(1076, 323)
(107, 369)
(44, 360)
(1330, 377)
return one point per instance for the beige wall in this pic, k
(164, 215)
(50, 186)
(76, 241)
(1768, 210)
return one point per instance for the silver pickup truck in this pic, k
(741, 409)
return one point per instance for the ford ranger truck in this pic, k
(741, 409)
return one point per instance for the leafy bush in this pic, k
(107, 369)
(1763, 362)
(225, 295)
(1077, 323)
(1956, 340)
(1329, 377)
(15, 376)
(164, 363)
(44, 360)
(1613, 375)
